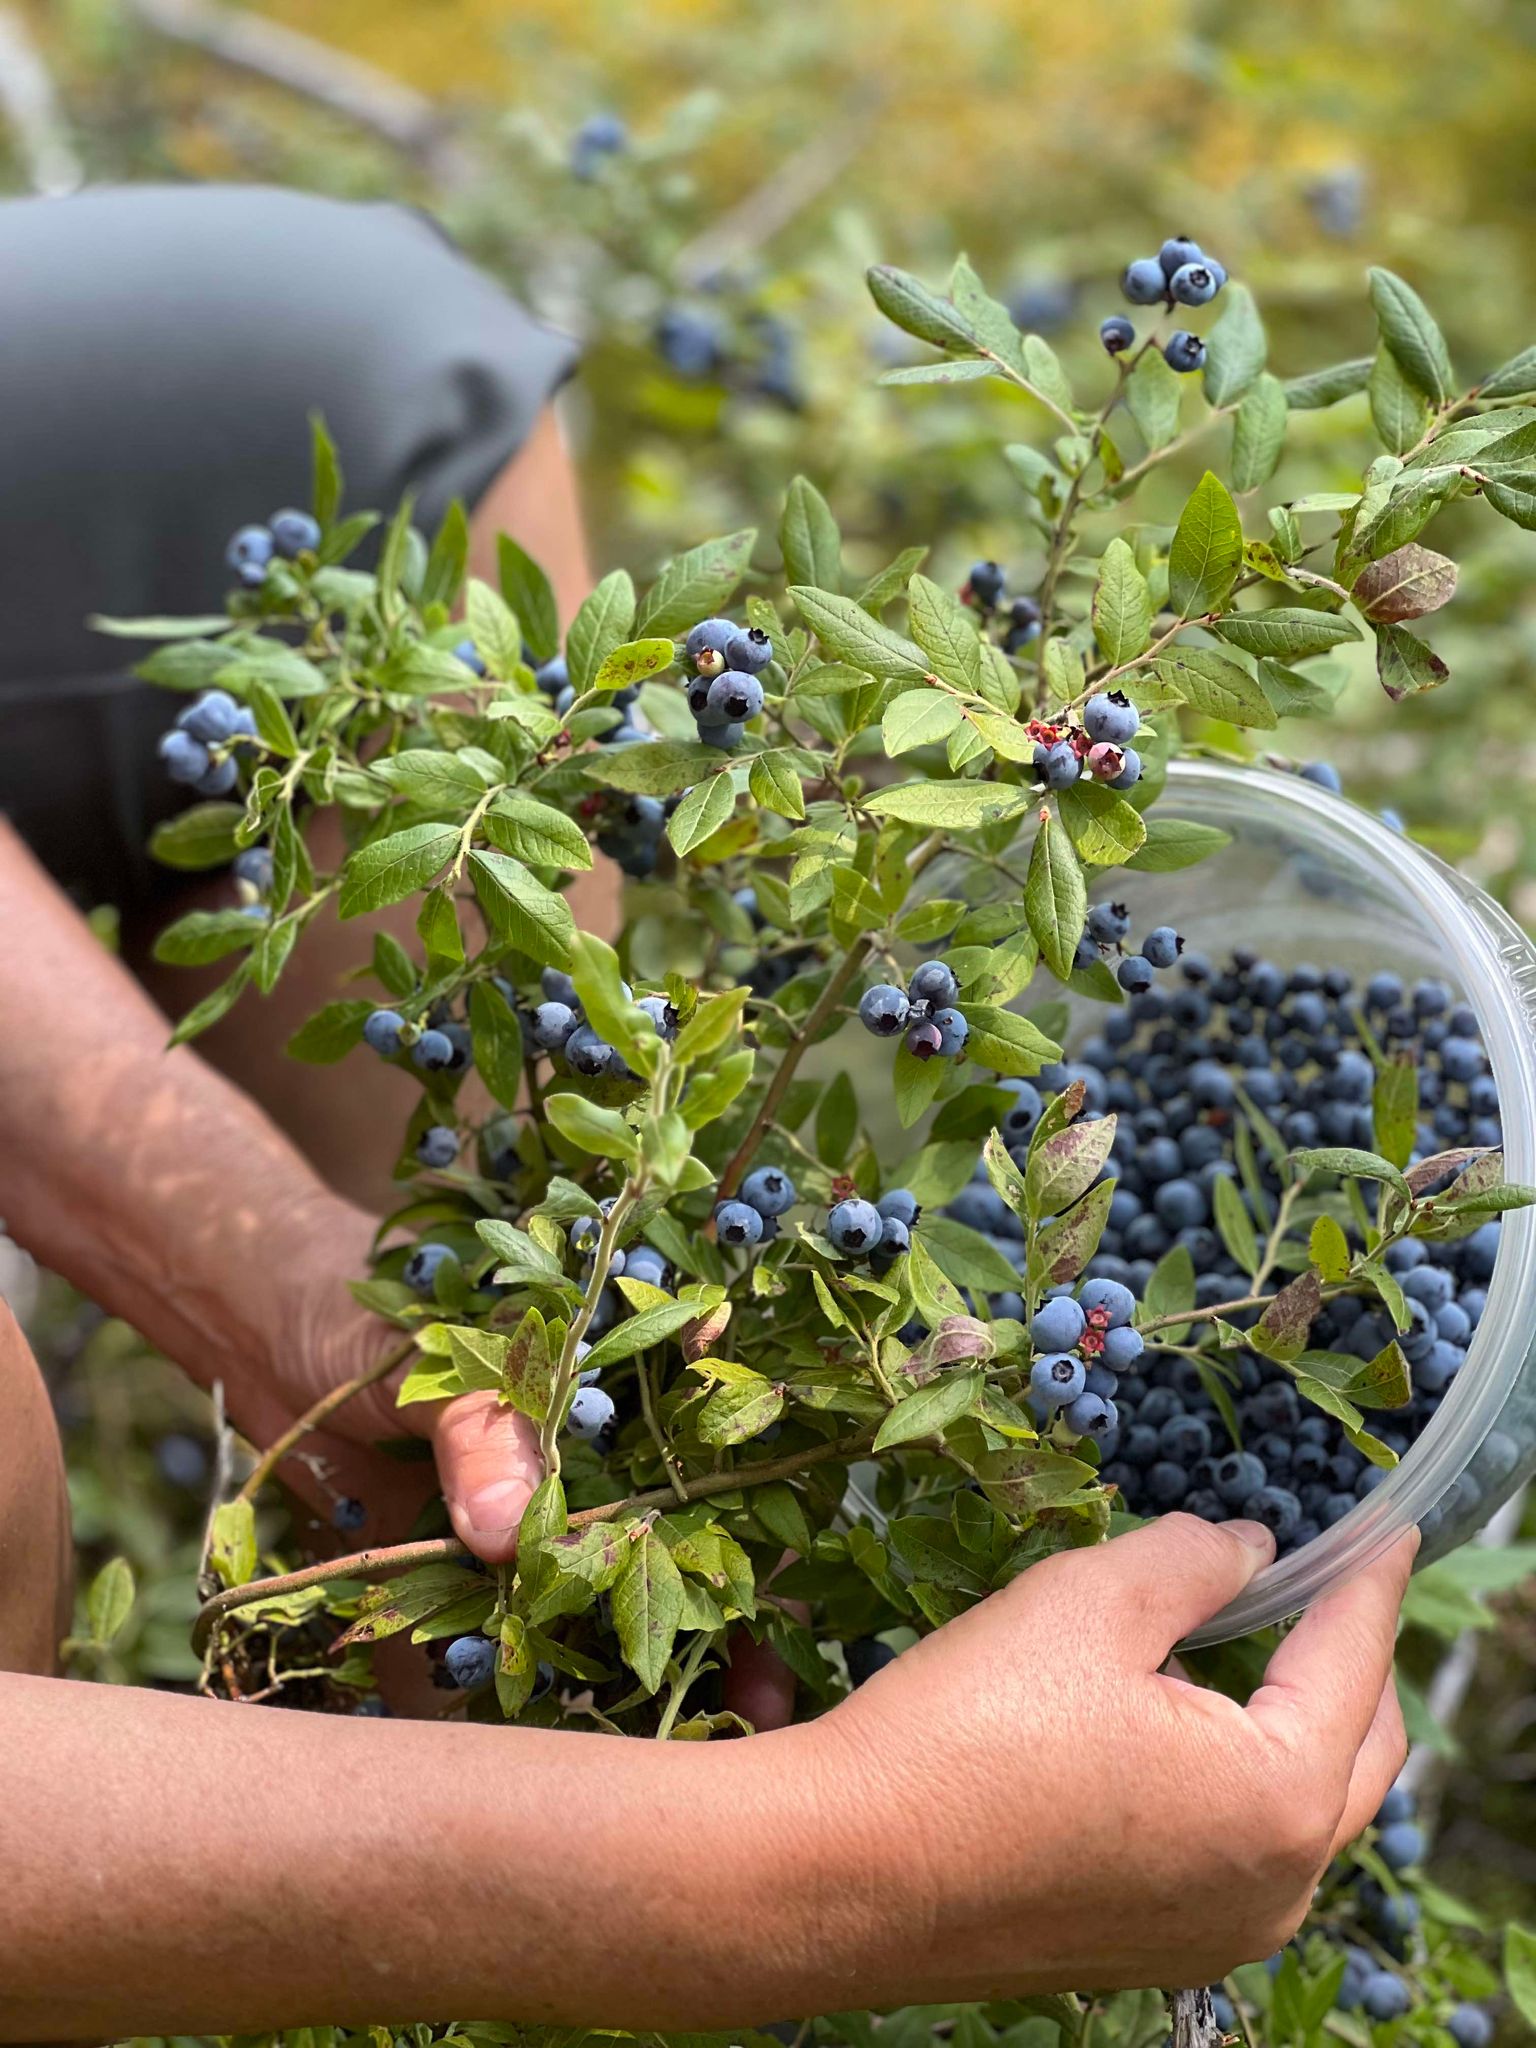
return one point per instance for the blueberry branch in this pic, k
(565, 1370)
(390, 1559)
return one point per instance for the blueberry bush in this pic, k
(1227, 1256)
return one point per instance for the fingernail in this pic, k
(1255, 1535)
(495, 1510)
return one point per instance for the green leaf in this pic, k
(1169, 1290)
(232, 1542)
(536, 832)
(325, 472)
(736, 1414)
(930, 1410)
(1398, 409)
(651, 767)
(1064, 1247)
(1286, 633)
(110, 1601)
(391, 869)
(695, 584)
(202, 837)
(647, 1604)
(1319, 388)
(1173, 843)
(527, 590)
(204, 935)
(444, 572)
(1006, 1042)
(638, 1332)
(1408, 329)
(1153, 395)
(1235, 348)
(624, 667)
(1207, 550)
(1511, 379)
(702, 812)
(957, 370)
(521, 910)
(848, 633)
(808, 538)
(1122, 605)
(1234, 1223)
(494, 629)
(594, 1129)
(435, 780)
(952, 806)
(603, 622)
(1328, 1249)
(1104, 828)
(213, 1006)
(1395, 1109)
(919, 718)
(1216, 687)
(331, 1033)
(774, 782)
(498, 1042)
(946, 632)
(1055, 897)
(912, 307)
(1348, 1161)
(1258, 433)
(1520, 1970)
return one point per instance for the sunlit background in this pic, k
(713, 270)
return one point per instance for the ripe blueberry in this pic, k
(294, 533)
(769, 1190)
(1091, 1415)
(1057, 1325)
(883, 1010)
(212, 717)
(186, 759)
(1162, 947)
(1176, 252)
(1122, 1348)
(986, 583)
(1057, 765)
(899, 1205)
(895, 1238)
(865, 1657)
(254, 866)
(1111, 716)
(934, 982)
(855, 1226)
(348, 1515)
(551, 1025)
(1130, 774)
(470, 1661)
(750, 651)
(433, 1052)
(737, 1223)
(1108, 923)
(706, 644)
(733, 698)
(467, 652)
(1109, 1299)
(1183, 351)
(1116, 333)
(1469, 2027)
(953, 1031)
(1193, 284)
(1385, 1996)
(1401, 1845)
(1057, 1378)
(589, 1414)
(421, 1268)
(382, 1031)
(587, 1054)
(249, 552)
(438, 1146)
(1143, 282)
(1135, 975)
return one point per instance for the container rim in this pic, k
(1493, 963)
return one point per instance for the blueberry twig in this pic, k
(318, 1412)
(387, 1560)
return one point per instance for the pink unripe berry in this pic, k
(1106, 761)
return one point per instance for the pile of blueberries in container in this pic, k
(1180, 1067)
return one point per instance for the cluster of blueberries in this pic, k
(1180, 274)
(761, 360)
(200, 748)
(252, 549)
(878, 1231)
(925, 1012)
(1392, 1918)
(558, 1026)
(986, 589)
(1099, 747)
(724, 662)
(1106, 930)
(442, 1045)
(751, 1216)
(1179, 1070)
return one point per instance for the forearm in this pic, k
(235, 1871)
(140, 1174)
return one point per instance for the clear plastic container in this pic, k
(1311, 877)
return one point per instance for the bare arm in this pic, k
(181, 1866)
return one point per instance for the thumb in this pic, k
(489, 1465)
(1173, 1574)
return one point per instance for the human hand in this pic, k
(486, 1454)
(1031, 1802)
